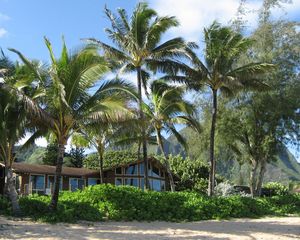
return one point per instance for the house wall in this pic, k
(110, 175)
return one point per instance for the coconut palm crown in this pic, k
(167, 108)
(67, 99)
(138, 47)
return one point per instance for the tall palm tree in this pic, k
(138, 47)
(12, 129)
(13, 119)
(68, 101)
(220, 72)
(167, 108)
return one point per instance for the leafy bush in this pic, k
(5, 207)
(128, 203)
(70, 208)
(276, 188)
(224, 189)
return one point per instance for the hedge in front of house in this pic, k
(110, 202)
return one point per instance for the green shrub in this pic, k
(5, 207)
(129, 203)
(276, 188)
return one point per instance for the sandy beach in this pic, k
(243, 229)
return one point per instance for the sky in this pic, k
(23, 24)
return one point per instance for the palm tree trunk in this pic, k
(144, 140)
(100, 152)
(59, 163)
(211, 183)
(260, 177)
(12, 193)
(166, 162)
(253, 177)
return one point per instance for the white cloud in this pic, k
(42, 142)
(3, 32)
(194, 15)
(4, 17)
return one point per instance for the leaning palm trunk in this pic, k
(144, 140)
(253, 177)
(12, 193)
(260, 177)
(166, 162)
(211, 183)
(59, 163)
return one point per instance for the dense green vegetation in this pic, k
(244, 114)
(103, 202)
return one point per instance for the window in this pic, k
(149, 170)
(131, 182)
(142, 173)
(156, 186)
(142, 169)
(81, 184)
(76, 183)
(92, 181)
(155, 171)
(37, 182)
(119, 170)
(18, 185)
(131, 170)
(118, 181)
(51, 181)
(142, 183)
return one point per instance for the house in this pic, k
(34, 178)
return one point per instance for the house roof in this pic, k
(46, 169)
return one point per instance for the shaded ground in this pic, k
(242, 229)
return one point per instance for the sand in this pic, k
(242, 229)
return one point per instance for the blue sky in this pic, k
(23, 24)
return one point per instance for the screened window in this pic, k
(37, 182)
(51, 181)
(118, 181)
(131, 182)
(131, 170)
(119, 170)
(92, 181)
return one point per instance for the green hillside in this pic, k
(33, 154)
(284, 169)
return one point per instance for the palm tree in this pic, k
(13, 119)
(138, 48)
(167, 108)
(67, 100)
(220, 72)
(99, 136)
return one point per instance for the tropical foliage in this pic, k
(103, 202)
(245, 109)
